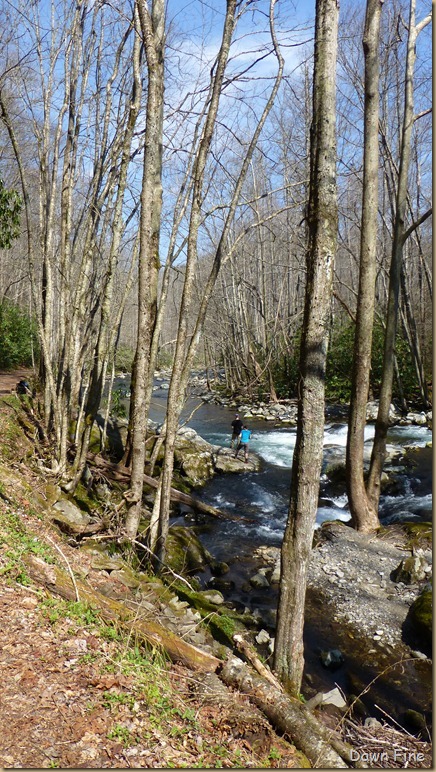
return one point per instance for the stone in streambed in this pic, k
(332, 659)
(259, 580)
(224, 461)
(212, 596)
(185, 551)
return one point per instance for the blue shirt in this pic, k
(245, 435)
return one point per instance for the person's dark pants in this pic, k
(244, 447)
(235, 438)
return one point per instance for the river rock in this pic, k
(372, 412)
(193, 455)
(185, 551)
(419, 419)
(333, 697)
(332, 659)
(259, 580)
(213, 596)
(416, 721)
(224, 585)
(262, 637)
(199, 460)
(224, 461)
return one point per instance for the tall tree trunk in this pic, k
(153, 28)
(364, 516)
(322, 244)
(382, 422)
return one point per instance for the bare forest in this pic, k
(237, 188)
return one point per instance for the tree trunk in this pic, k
(176, 394)
(185, 351)
(306, 467)
(382, 422)
(364, 516)
(106, 331)
(152, 28)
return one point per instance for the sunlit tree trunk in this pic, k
(321, 251)
(382, 423)
(363, 515)
(152, 29)
(109, 322)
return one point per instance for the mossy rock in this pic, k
(222, 623)
(14, 485)
(52, 493)
(193, 456)
(420, 617)
(84, 499)
(411, 570)
(185, 553)
(95, 547)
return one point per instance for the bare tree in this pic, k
(399, 235)
(153, 36)
(75, 87)
(322, 225)
(364, 517)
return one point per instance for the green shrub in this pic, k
(18, 339)
(124, 359)
(340, 363)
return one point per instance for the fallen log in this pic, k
(323, 748)
(122, 473)
(150, 632)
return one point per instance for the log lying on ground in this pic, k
(288, 715)
(58, 582)
(122, 473)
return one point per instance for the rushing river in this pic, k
(263, 498)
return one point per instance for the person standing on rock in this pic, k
(244, 439)
(236, 430)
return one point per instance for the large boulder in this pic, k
(185, 552)
(194, 456)
(199, 460)
(224, 461)
(372, 412)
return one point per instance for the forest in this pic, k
(241, 189)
